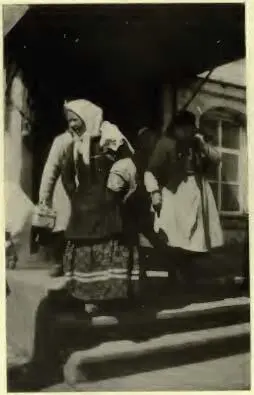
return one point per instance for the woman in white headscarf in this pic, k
(96, 258)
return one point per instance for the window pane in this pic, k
(210, 127)
(230, 135)
(229, 170)
(214, 186)
(230, 197)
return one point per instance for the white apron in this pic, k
(190, 220)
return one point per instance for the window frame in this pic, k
(237, 152)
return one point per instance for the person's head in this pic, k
(83, 116)
(184, 125)
(75, 123)
(113, 141)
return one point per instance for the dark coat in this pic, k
(170, 162)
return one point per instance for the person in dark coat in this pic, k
(183, 202)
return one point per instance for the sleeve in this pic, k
(211, 154)
(150, 182)
(131, 179)
(116, 183)
(157, 160)
(123, 174)
(51, 172)
(69, 172)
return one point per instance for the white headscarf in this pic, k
(91, 115)
(112, 137)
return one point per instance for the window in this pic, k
(229, 180)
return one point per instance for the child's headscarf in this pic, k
(123, 172)
(112, 137)
(91, 115)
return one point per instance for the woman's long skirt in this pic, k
(102, 271)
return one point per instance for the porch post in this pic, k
(168, 104)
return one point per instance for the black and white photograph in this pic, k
(126, 197)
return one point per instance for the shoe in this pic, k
(91, 309)
(58, 283)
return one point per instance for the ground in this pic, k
(230, 373)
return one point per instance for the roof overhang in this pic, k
(123, 43)
(233, 73)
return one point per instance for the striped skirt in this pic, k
(102, 271)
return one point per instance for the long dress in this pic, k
(97, 261)
(188, 216)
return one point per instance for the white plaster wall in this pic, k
(212, 95)
(13, 141)
(17, 160)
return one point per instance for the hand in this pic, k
(163, 238)
(45, 203)
(200, 139)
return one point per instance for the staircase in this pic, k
(60, 342)
(143, 341)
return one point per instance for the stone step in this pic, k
(113, 357)
(76, 331)
(221, 310)
(41, 324)
(219, 321)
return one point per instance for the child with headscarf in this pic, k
(96, 259)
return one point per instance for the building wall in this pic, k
(18, 158)
(18, 162)
(212, 95)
